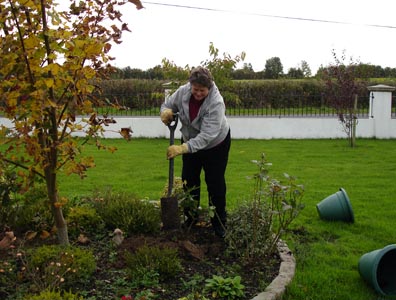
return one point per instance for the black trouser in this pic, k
(214, 162)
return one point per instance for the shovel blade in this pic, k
(170, 213)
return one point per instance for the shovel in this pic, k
(169, 205)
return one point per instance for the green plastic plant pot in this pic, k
(336, 207)
(379, 269)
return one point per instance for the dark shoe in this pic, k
(219, 230)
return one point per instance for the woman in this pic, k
(206, 141)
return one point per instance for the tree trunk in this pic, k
(354, 121)
(56, 207)
(61, 226)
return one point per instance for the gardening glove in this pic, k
(167, 116)
(176, 150)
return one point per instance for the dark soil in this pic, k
(202, 255)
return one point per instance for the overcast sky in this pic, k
(181, 31)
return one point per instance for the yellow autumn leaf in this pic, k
(31, 42)
(49, 82)
(29, 3)
(11, 102)
(50, 103)
(30, 235)
(89, 72)
(94, 48)
(79, 43)
(53, 68)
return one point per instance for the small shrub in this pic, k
(55, 266)
(165, 262)
(248, 230)
(53, 295)
(8, 190)
(8, 186)
(9, 278)
(225, 288)
(84, 219)
(32, 211)
(127, 213)
(255, 228)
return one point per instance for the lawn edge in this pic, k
(286, 273)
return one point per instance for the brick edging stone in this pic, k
(286, 273)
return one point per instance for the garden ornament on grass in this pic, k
(118, 236)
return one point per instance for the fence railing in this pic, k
(291, 106)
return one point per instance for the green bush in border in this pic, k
(128, 213)
(56, 266)
(53, 295)
(154, 260)
(84, 219)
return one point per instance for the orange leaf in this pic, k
(126, 133)
(44, 234)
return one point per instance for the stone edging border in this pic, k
(286, 273)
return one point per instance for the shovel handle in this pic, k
(172, 127)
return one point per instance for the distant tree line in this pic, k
(273, 70)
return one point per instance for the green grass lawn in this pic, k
(327, 253)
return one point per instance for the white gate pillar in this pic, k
(381, 109)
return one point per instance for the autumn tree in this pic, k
(341, 92)
(50, 61)
(221, 67)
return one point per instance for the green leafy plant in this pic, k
(126, 212)
(195, 281)
(248, 230)
(185, 199)
(29, 213)
(8, 183)
(54, 295)
(9, 186)
(56, 266)
(225, 288)
(10, 269)
(146, 295)
(157, 262)
(84, 219)
(255, 227)
(194, 296)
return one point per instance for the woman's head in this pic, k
(201, 76)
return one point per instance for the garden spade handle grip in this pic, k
(172, 127)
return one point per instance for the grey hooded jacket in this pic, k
(209, 128)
